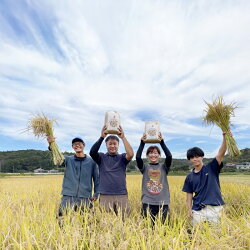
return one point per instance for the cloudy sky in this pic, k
(148, 59)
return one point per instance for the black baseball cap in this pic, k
(78, 139)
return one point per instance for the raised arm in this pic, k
(223, 148)
(139, 160)
(51, 140)
(128, 148)
(168, 159)
(95, 148)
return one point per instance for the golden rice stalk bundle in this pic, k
(41, 126)
(219, 113)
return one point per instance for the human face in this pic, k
(153, 156)
(197, 161)
(78, 147)
(112, 146)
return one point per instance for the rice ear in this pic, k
(218, 113)
(42, 126)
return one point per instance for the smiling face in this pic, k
(78, 147)
(153, 156)
(112, 146)
(197, 161)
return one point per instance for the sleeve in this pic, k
(94, 150)
(124, 159)
(96, 180)
(168, 159)
(187, 187)
(139, 160)
(215, 167)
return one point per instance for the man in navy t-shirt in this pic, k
(206, 204)
(112, 168)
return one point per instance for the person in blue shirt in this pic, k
(80, 172)
(112, 167)
(202, 185)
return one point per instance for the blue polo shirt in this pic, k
(112, 170)
(205, 185)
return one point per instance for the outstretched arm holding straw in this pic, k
(50, 139)
(58, 158)
(223, 148)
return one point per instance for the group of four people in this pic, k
(107, 171)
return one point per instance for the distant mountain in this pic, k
(25, 160)
(244, 157)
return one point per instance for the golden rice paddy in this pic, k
(29, 205)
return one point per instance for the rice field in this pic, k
(28, 209)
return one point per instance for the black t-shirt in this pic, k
(112, 173)
(205, 185)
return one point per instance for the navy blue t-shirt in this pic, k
(205, 185)
(112, 170)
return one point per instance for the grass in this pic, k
(28, 208)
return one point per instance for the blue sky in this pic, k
(149, 60)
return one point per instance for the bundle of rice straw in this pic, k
(41, 126)
(219, 113)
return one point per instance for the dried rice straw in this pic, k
(219, 113)
(41, 126)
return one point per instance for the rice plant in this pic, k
(220, 114)
(42, 126)
(29, 206)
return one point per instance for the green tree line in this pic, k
(28, 160)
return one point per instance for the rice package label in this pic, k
(152, 132)
(112, 122)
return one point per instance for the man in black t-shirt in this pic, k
(112, 168)
(206, 204)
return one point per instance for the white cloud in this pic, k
(133, 56)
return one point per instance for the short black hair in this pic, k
(78, 139)
(194, 152)
(152, 148)
(112, 137)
